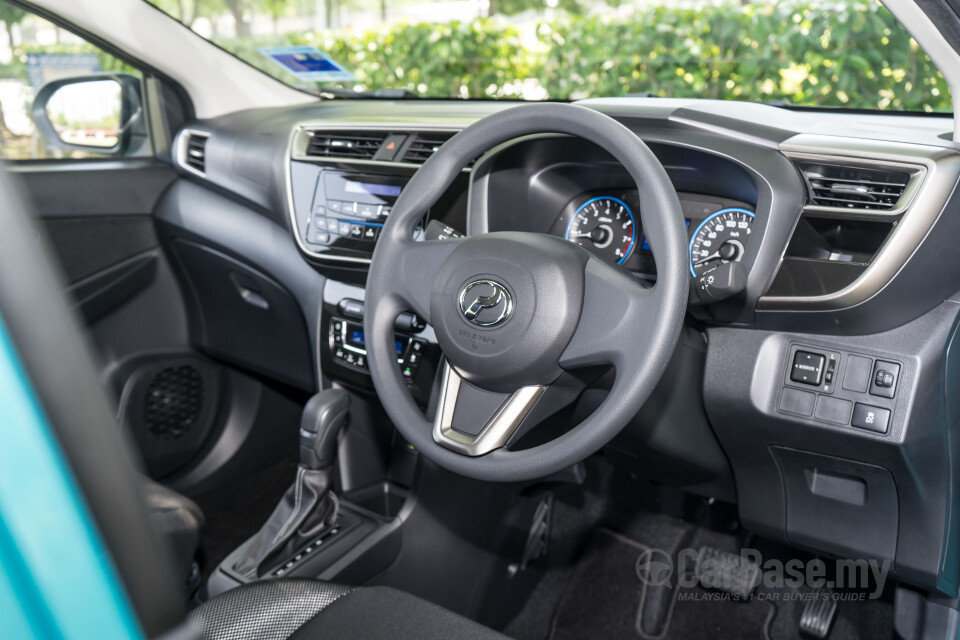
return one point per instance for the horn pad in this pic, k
(505, 305)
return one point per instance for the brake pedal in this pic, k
(727, 572)
(817, 617)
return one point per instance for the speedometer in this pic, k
(721, 238)
(605, 226)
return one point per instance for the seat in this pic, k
(178, 520)
(303, 609)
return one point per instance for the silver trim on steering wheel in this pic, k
(495, 433)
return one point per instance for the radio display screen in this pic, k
(358, 188)
(374, 189)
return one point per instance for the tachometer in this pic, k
(722, 237)
(605, 226)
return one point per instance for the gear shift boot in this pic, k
(309, 507)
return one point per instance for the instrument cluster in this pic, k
(608, 224)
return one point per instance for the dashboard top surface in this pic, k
(694, 138)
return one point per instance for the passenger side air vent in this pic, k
(846, 187)
(356, 145)
(424, 145)
(195, 152)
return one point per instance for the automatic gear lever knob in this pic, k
(323, 416)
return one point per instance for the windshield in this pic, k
(842, 53)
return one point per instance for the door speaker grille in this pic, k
(174, 401)
(169, 404)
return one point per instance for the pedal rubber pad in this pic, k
(817, 616)
(727, 572)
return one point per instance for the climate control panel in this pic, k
(348, 347)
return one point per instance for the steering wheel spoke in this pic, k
(617, 322)
(473, 422)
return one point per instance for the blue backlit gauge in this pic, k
(722, 237)
(604, 226)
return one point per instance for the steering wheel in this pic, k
(518, 314)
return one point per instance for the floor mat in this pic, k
(236, 511)
(606, 598)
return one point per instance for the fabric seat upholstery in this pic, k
(177, 519)
(303, 609)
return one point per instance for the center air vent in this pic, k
(845, 187)
(356, 145)
(424, 145)
(195, 153)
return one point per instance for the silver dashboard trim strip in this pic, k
(941, 169)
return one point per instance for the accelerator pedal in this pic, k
(727, 572)
(817, 617)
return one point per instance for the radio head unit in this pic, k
(349, 209)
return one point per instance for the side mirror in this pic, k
(100, 112)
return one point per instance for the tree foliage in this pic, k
(805, 52)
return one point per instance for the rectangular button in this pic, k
(857, 375)
(797, 402)
(807, 368)
(343, 228)
(334, 205)
(319, 237)
(833, 410)
(883, 383)
(356, 231)
(872, 418)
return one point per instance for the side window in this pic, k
(62, 97)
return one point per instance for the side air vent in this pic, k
(356, 145)
(845, 187)
(424, 145)
(195, 153)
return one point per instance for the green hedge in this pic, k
(482, 58)
(864, 58)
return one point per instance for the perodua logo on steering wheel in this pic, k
(485, 303)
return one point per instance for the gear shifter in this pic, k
(309, 507)
(320, 424)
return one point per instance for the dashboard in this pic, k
(844, 225)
